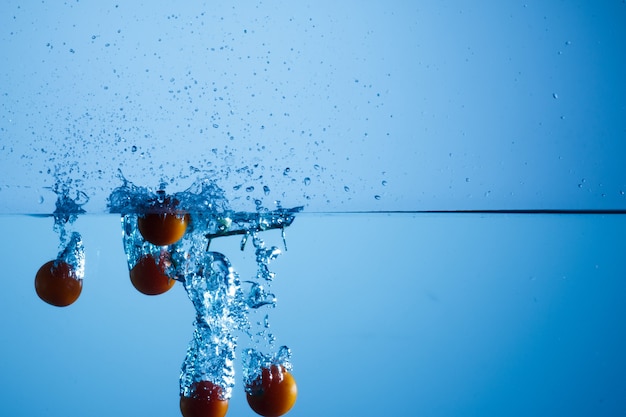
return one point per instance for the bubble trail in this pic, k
(213, 288)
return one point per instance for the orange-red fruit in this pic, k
(163, 228)
(273, 393)
(150, 278)
(56, 283)
(205, 401)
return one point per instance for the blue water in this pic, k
(437, 315)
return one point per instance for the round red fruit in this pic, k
(56, 283)
(206, 400)
(273, 393)
(163, 228)
(149, 277)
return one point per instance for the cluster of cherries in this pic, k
(57, 283)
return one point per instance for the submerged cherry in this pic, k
(150, 277)
(206, 400)
(56, 283)
(273, 393)
(163, 228)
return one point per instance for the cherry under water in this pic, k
(223, 302)
(69, 263)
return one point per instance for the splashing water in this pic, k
(71, 249)
(221, 303)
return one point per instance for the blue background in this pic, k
(428, 105)
(450, 105)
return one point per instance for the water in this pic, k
(366, 106)
(412, 314)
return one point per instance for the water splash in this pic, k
(222, 305)
(69, 204)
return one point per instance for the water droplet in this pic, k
(346, 188)
(266, 190)
(467, 179)
(41, 199)
(316, 167)
(555, 95)
(215, 125)
(377, 197)
(133, 148)
(307, 181)
(250, 189)
(384, 183)
(286, 171)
